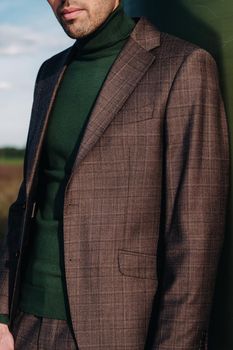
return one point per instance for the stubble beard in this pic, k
(80, 28)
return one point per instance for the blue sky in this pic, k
(29, 34)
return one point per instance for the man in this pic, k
(114, 240)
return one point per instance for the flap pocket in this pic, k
(137, 264)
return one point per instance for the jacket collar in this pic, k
(146, 34)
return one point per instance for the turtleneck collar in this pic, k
(116, 28)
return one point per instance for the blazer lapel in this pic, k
(130, 66)
(125, 74)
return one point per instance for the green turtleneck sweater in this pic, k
(43, 287)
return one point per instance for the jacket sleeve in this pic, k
(4, 249)
(5, 260)
(195, 199)
(4, 278)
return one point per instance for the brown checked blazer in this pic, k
(144, 208)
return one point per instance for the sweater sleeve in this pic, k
(4, 319)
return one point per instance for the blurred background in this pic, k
(29, 34)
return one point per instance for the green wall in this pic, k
(209, 24)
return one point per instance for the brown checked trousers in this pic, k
(36, 333)
(144, 210)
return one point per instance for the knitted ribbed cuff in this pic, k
(4, 319)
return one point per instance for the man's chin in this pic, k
(71, 35)
(75, 34)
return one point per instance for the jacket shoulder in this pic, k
(175, 45)
(174, 53)
(177, 50)
(170, 51)
(53, 63)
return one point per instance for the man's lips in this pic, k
(70, 12)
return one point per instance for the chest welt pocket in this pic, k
(138, 265)
(133, 115)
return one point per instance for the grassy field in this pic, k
(10, 179)
(10, 161)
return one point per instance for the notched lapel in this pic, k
(129, 68)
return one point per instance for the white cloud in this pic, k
(17, 40)
(5, 85)
(28, 36)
